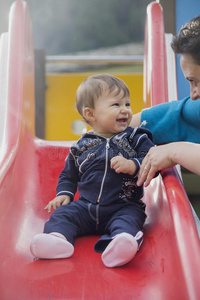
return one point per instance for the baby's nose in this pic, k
(124, 109)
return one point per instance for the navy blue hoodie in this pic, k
(88, 167)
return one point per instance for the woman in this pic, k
(176, 123)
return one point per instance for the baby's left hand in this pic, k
(123, 165)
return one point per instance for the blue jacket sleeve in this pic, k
(68, 179)
(173, 121)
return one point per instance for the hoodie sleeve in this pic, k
(173, 121)
(68, 179)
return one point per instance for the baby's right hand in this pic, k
(58, 201)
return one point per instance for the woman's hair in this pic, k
(94, 86)
(188, 39)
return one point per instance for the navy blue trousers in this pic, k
(82, 218)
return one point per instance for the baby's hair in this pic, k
(188, 39)
(94, 86)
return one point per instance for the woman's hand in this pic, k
(58, 201)
(157, 158)
(185, 154)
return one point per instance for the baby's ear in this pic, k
(88, 114)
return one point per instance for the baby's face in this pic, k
(112, 114)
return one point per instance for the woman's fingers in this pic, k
(150, 175)
(143, 173)
(147, 170)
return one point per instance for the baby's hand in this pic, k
(57, 201)
(123, 165)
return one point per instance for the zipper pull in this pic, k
(90, 155)
(107, 144)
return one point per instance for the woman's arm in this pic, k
(184, 153)
(136, 120)
(171, 121)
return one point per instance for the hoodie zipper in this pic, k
(87, 158)
(105, 172)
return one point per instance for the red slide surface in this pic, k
(167, 265)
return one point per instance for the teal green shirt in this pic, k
(173, 121)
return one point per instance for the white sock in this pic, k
(120, 250)
(51, 246)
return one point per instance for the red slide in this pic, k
(167, 265)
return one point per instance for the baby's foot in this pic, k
(51, 246)
(120, 250)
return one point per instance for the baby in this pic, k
(103, 164)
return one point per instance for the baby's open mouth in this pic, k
(122, 120)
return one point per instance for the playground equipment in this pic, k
(167, 265)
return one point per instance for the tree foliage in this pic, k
(63, 26)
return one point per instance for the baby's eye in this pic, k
(128, 104)
(115, 104)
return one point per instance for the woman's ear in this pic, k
(88, 114)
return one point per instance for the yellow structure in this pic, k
(62, 121)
